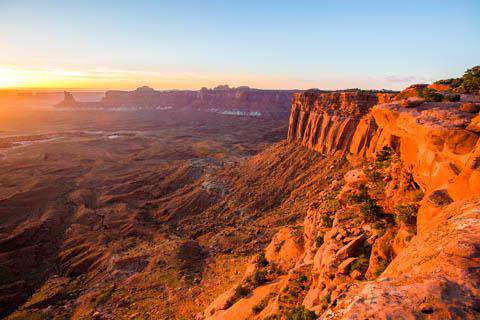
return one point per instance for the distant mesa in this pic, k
(222, 99)
(145, 89)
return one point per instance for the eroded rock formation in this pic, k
(242, 100)
(326, 121)
(398, 236)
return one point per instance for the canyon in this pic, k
(242, 101)
(365, 204)
(396, 238)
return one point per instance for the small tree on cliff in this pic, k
(471, 80)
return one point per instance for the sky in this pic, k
(329, 44)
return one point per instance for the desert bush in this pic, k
(361, 264)
(256, 309)
(406, 213)
(259, 277)
(241, 291)
(303, 278)
(327, 221)
(360, 197)
(370, 211)
(468, 83)
(330, 202)
(300, 313)
(452, 97)
(471, 80)
(431, 95)
(262, 260)
(385, 154)
(272, 317)
(319, 241)
(326, 301)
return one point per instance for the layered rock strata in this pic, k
(326, 121)
(398, 237)
(242, 100)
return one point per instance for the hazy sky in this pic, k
(267, 44)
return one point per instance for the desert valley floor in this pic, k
(136, 213)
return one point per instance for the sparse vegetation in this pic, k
(300, 313)
(370, 211)
(241, 291)
(327, 220)
(259, 277)
(325, 301)
(256, 309)
(468, 83)
(330, 202)
(451, 97)
(272, 317)
(360, 197)
(361, 264)
(262, 260)
(406, 213)
(431, 95)
(319, 241)
(385, 155)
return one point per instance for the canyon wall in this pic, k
(242, 100)
(397, 238)
(326, 121)
(437, 142)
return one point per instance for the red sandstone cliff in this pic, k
(397, 238)
(326, 121)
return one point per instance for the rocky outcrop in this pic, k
(436, 141)
(398, 237)
(326, 121)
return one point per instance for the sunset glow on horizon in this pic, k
(189, 45)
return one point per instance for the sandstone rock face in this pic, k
(393, 265)
(285, 249)
(435, 140)
(326, 121)
(435, 277)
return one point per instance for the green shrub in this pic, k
(361, 197)
(406, 213)
(468, 83)
(262, 260)
(385, 154)
(327, 221)
(330, 202)
(361, 264)
(300, 313)
(256, 309)
(259, 277)
(452, 97)
(272, 317)
(370, 211)
(319, 241)
(431, 95)
(471, 80)
(303, 278)
(241, 291)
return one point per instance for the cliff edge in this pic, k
(398, 237)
